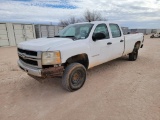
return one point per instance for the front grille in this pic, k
(31, 62)
(27, 52)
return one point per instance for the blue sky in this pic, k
(130, 13)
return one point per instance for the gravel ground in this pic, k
(117, 90)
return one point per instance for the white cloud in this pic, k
(122, 11)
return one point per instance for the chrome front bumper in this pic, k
(30, 70)
(48, 72)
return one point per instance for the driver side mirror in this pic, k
(98, 36)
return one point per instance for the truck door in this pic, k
(99, 53)
(116, 46)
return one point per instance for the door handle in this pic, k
(109, 43)
(121, 40)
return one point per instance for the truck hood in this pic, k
(44, 44)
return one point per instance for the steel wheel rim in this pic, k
(77, 79)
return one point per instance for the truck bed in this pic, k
(130, 41)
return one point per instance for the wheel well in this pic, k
(80, 58)
(137, 45)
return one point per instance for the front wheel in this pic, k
(133, 56)
(74, 77)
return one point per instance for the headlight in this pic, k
(50, 58)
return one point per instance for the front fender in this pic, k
(73, 50)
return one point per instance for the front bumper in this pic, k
(30, 70)
(47, 72)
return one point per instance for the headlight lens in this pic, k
(50, 58)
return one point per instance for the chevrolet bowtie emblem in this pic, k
(23, 56)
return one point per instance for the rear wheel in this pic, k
(74, 77)
(133, 56)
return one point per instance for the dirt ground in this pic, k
(117, 90)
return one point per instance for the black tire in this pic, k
(133, 56)
(74, 77)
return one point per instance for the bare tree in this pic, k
(93, 16)
(71, 20)
(87, 17)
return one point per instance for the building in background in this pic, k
(47, 30)
(144, 31)
(13, 33)
(158, 31)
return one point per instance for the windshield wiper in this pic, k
(72, 37)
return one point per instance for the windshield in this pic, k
(77, 31)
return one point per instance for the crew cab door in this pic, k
(116, 46)
(109, 48)
(99, 52)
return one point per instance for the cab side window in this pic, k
(115, 30)
(102, 28)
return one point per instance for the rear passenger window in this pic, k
(115, 30)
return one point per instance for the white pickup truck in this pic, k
(77, 47)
